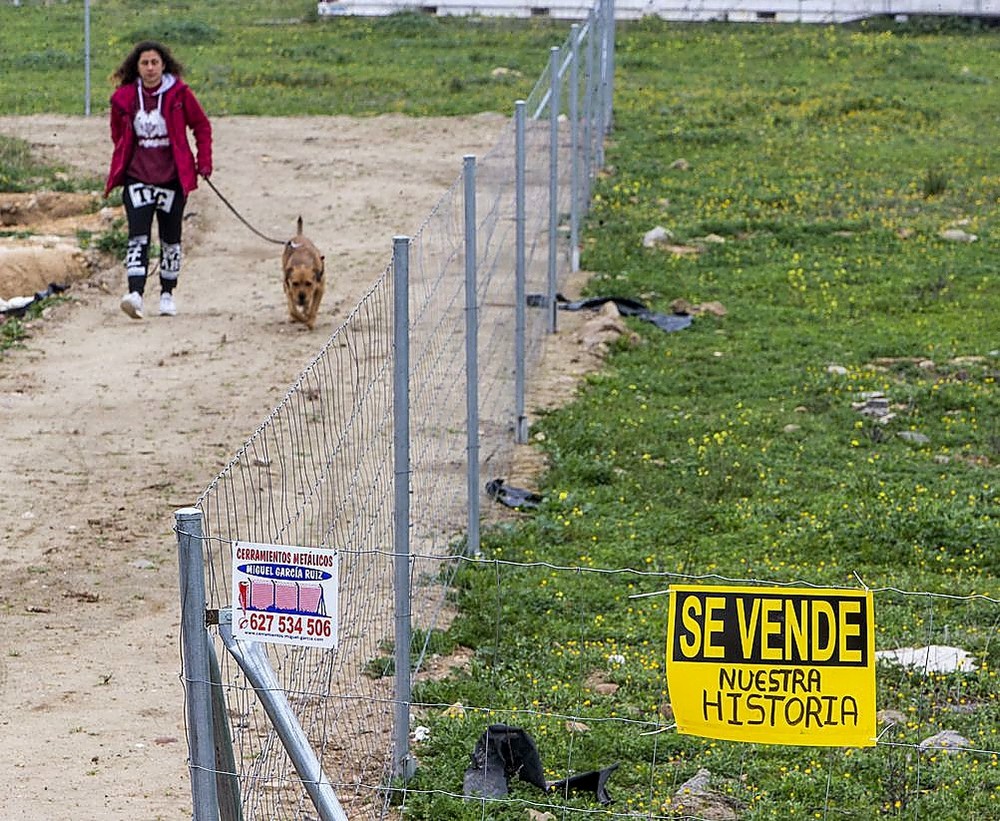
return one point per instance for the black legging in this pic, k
(141, 202)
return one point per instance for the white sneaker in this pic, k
(167, 305)
(132, 304)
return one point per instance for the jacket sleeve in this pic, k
(117, 121)
(199, 124)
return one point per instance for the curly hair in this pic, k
(128, 71)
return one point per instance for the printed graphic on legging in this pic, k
(135, 255)
(170, 260)
(142, 196)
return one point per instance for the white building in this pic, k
(781, 11)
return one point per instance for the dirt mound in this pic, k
(44, 207)
(41, 239)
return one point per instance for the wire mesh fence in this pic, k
(319, 470)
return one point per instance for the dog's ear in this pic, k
(322, 268)
(298, 226)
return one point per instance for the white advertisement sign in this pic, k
(286, 595)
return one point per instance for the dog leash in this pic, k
(239, 216)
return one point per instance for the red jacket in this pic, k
(181, 110)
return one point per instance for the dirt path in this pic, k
(109, 425)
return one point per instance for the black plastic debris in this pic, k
(669, 322)
(503, 752)
(594, 781)
(626, 307)
(53, 289)
(500, 754)
(540, 300)
(486, 775)
(511, 496)
(18, 306)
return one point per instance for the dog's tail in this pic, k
(298, 227)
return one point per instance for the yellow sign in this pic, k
(773, 665)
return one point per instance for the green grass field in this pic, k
(275, 58)
(823, 168)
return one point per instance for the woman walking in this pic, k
(151, 110)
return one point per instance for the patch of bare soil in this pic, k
(111, 424)
(44, 240)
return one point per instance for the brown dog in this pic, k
(303, 267)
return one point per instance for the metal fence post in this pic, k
(227, 782)
(471, 353)
(86, 58)
(574, 147)
(600, 84)
(553, 182)
(196, 664)
(589, 104)
(520, 305)
(607, 67)
(403, 764)
(254, 663)
(609, 119)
